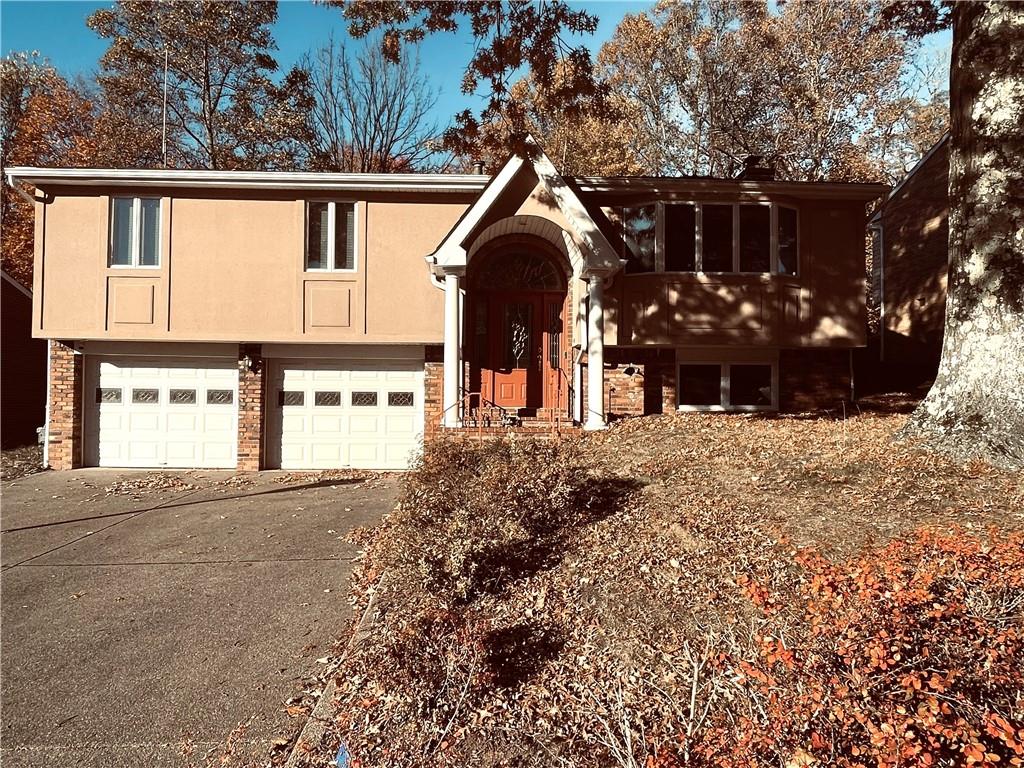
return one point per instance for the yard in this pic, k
(691, 589)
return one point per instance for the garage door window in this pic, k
(183, 396)
(219, 397)
(291, 397)
(108, 395)
(146, 396)
(328, 399)
(364, 398)
(401, 399)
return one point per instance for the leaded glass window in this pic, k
(219, 397)
(183, 396)
(364, 398)
(520, 270)
(329, 399)
(146, 396)
(108, 395)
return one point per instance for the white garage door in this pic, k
(360, 414)
(160, 412)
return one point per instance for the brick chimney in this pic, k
(754, 170)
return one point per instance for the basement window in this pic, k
(134, 232)
(330, 236)
(727, 387)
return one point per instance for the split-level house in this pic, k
(319, 320)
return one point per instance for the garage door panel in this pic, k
(399, 425)
(366, 425)
(182, 422)
(328, 425)
(175, 427)
(218, 422)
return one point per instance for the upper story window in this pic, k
(134, 232)
(330, 236)
(751, 238)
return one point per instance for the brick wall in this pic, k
(814, 379)
(433, 389)
(639, 382)
(252, 401)
(66, 401)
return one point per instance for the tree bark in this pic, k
(976, 406)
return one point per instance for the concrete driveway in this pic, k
(142, 628)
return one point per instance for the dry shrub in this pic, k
(473, 522)
(908, 655)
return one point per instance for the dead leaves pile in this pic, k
(19, 462)
(608, 648)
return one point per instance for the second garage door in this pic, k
(335, 414)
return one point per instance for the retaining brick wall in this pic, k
(67, 374)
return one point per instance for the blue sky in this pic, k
(56, 28)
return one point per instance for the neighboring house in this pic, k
(22, 368)
(315, 320)
(911, 261)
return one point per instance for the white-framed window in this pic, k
(330, 236)
(756, 237)
(727, 386)
(134, 232)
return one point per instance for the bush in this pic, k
(473, 519)
(910, 655)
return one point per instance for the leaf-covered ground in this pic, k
(18, 462)
(602, 651)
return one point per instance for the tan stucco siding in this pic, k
(401, 299)
(71, 266)
(232, 269)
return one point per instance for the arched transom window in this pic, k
(519, 271)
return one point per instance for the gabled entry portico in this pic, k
(523, 271)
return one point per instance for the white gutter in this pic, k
(383, 182)
(12, 181)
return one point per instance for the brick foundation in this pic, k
(252, 400)
(814, 379)
(67, 374)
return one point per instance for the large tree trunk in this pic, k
(976, 405)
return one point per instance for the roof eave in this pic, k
(275, 180)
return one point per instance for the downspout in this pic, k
(879, 231)
(46, 414)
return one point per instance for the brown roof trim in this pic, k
(663, 184)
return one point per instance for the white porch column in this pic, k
(452, 362)
(595, 355)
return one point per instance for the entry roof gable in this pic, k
(599, 255)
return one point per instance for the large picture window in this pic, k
(330, 236)
(134, 232)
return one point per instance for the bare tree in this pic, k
(370, 115)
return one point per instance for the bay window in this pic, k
(330, 236)
(134, 232)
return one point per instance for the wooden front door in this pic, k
(516, 325)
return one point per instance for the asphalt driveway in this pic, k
(142, 624)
